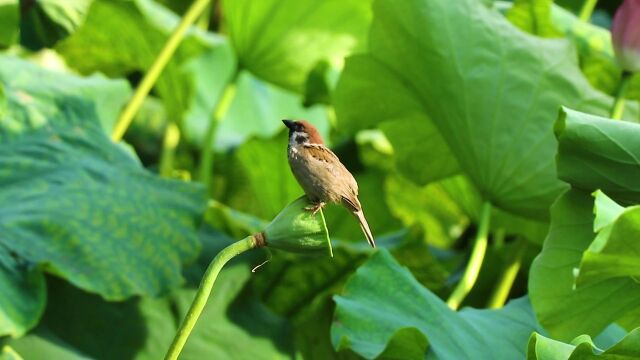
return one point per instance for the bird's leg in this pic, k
(315, 207)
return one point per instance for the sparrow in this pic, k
(321, 174)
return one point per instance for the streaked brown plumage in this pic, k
(321, 174)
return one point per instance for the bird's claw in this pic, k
(315, 208)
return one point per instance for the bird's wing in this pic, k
(322, 153)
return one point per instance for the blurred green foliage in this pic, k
(435, 106)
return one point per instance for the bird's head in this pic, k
(302, 132)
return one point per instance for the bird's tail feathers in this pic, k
(365, 227)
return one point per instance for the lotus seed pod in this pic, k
(298, 230)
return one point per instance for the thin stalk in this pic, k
(508, 276)
(475, 261)
(202, 295)
(617, 110)
(203, 20)
(169, 145)
(587, 10)
(155, 70)
(205, 168)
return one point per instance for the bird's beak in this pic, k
(288, 123)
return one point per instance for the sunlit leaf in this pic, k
(282, 40)
(582, 347)
(491, 91)
(564, 310)
(431, 207)
(611, 254)
(533, 16)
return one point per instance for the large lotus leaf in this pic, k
(405, 125)
(583, 348)
(383, 298)
(23, 294)
(282, 40)
(257, 109)
(415, 137)
(491, 90)
(78, 205)
(599, 153)
(92, 208)
(564, 310)
(233, 325)
(45, 22)
(122, 37)
(594, 153)
(9, 22)
(612, 254)
(33, 97)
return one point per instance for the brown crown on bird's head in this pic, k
(305, 127)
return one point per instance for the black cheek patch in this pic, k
(300, 139)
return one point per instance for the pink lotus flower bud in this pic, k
(625, 35)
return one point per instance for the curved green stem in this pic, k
(205, 17)
(204, 291)
(587, 10)
(617, 110)
(508, 276)
(205, 168)
(475, 261)
(156, 68)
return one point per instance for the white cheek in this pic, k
(293, 140)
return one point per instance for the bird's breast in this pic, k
(314, 176)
